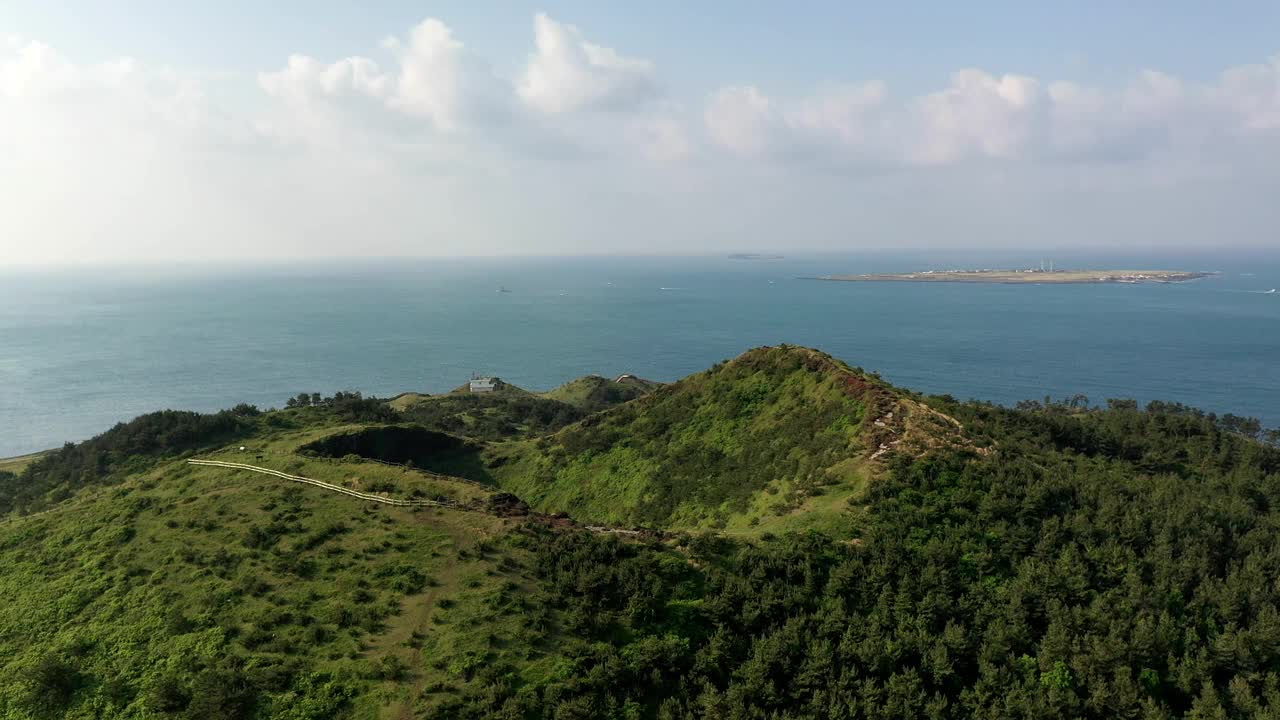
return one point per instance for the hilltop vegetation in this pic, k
(771, 433)
(134, 446)
(512, 412)
(593, 393)
(883, 555)
(491, 416)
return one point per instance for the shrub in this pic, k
(51, 684)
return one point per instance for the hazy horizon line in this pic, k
(267, 261)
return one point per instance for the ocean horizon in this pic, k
(84, 348)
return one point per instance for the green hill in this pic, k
(512, 412)
(404, 401)
(778, 437)
(593, 393)
(145, 587)
(138, 585)
(883, 555)
(491, 416)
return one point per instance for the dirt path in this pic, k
(371, 497)
(556, 521)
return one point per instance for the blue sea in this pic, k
(81, 349)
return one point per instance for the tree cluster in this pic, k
(348, 406)
(1100, 564)
(120, 450)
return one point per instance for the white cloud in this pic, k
(110, 160)
(744, 120)
(663, 138)
(37, 73)
(1001, 118)
(440, 80)
(847, 114)
(978, 115)
(420, 147)
(1077, 115)
(35, 70)
(843, 123)
(567, 73)
(434, 79)
(38, 84)
(305, 78)
(1252, 94)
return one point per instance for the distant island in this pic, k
(753, 256)
(1032, 276)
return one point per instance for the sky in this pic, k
(158, 131)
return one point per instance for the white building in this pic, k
(483, 384)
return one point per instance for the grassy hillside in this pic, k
(774, 435)
(154, 588)
(512, 412)
(404, 401)
(218, 594)
(1052, 561)
(491, 416)
(15, 465)
(593, 393)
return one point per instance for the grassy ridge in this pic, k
(512, 412)
(752, 439)
(593, 393)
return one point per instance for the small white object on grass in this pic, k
(241, 448)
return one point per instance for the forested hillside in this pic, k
(882, 555)
(1099, 564)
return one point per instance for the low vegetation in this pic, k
(883, 555)
(593, 393)
(759, 437)
(491, 416)
(510, 412)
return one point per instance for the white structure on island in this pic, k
(483, 384)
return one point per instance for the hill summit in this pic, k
(592, 393)
(760, 440)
